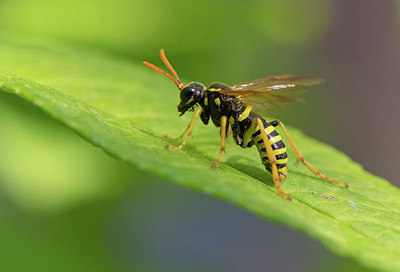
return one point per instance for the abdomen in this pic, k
(278, 147)
(246, 134)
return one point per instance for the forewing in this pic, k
(267, 95)
(277, 81)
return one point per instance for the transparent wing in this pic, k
(267, 95)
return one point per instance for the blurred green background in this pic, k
(67, 206)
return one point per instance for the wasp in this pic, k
(237, 111)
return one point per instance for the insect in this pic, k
(237, 110)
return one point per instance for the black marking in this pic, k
(274, 123)
(266, 162)
(281, 156)
(278, 145)
(255, 134)
(273, 134)
(279, 166)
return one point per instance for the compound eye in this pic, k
(186, 94)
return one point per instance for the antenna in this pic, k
(164, 59)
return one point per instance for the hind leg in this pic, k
(300, 157)
(272, 159)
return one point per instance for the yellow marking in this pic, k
(249, 132)
(279, 151)
(257, 138)
(244, 114)
(282, 161)
(269, 129)
(271, 141)
(231, 120)
(283, 170)
(206, 101)
(282, 173)
(275, 139)
(217, 101)
(214, 90)
(266, 160)
(190, 100)
(274, 169)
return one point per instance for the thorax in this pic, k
(216, 104)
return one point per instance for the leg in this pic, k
(272, 159)
(180, 136)
(230, 133)
(299, 157)
(189, 129)
(249, 132)
(224, 120)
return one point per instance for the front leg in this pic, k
(224, 121)
(189, 131)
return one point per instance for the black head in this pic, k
(190, 95)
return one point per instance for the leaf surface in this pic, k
(125, 109)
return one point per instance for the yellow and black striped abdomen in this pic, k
(246, 134)
(278, 147)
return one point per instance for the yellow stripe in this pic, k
(279, 151)
(217, 101)
(275, 139)
(244, 114)
(283, 170)
(206, 101)
(214, 90)
(271, 141)
(282, 161)
(269, 129)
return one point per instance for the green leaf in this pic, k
(80, 171)
(125, 109)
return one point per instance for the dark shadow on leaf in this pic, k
(246, 166)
